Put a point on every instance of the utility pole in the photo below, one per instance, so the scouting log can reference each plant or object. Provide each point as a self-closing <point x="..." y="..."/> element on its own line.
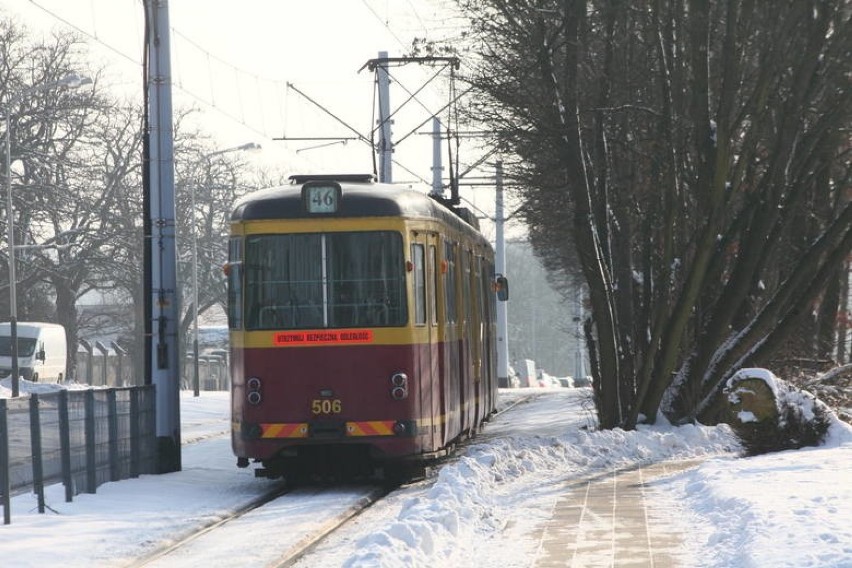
<point x="579" y="358"/>
<point x="162" y="301"/>
<point x="500" y="268"/>
<point x="385" y="143"/>
<point x="437" y="166"/>
<point x="385" y="146"/>
<point x="248" y="146"/>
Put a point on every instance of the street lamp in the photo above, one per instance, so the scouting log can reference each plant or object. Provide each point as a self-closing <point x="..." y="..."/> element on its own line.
<point x="247" y="147"/>
<point x="71" y="81"/>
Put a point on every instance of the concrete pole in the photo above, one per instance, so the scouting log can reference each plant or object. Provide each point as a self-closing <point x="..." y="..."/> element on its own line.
<point x="580" y="359"/>
<point x="10" y="226"/>
<point x="195" y="376"/>
<point x="385" y="143"/>
<point x="164" y="300"/>
<point x="500" y="268"/>
<point x="437" y="166"/>
<point x="247" y="147"/>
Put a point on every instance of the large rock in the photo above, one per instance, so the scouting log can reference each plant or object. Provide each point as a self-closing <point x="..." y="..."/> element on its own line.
<point x="769" y="415"/>
<point x="751" y="396"/>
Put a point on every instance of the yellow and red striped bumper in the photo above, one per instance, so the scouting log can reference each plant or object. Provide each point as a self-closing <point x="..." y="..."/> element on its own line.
<point x="368" y="428"/>
<point x="297" y="430"/>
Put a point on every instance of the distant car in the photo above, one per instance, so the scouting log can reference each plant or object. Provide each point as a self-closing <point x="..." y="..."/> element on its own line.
<point x="582" y="382"/>
<point x="41" y="351"/>
<point x="548" y="381"/>
<point x="566" y="382"/>
<point x="221" y="353"/>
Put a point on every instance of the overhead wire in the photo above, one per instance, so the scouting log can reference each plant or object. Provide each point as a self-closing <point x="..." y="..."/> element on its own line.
<point x="383" y="22"/>
<point x="84" y="32"/>
<point x="413" y="96"/>
<point x="212" y="103"/>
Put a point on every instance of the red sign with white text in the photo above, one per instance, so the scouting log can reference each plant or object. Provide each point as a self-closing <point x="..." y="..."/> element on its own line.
<point x="322" y="337"/>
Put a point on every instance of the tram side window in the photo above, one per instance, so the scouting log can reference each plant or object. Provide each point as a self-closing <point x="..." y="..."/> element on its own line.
<point x="433" y="292"/>
<point x="490" y="296"/>
<point x="467" y="259"/>
<point x="482" y="289"/>
<point x="418" y="258"/>
<point x="450" y="283"/>
<point x="235" y="292"/>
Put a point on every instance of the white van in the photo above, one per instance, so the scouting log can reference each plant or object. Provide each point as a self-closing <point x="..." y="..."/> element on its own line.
<point x="42" y="351"/>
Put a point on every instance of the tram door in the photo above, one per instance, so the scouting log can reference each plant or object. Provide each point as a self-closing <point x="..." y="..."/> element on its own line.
<point x="424" y="255"/>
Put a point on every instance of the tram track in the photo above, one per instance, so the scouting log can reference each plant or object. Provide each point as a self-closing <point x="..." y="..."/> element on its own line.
<point x="254" y="531"/>
<point x="303" y="510"/>
<point x="254" y="504"/>
<point x="312" y="541"/>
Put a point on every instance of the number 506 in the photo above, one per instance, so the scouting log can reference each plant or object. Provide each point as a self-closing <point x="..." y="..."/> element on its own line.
<point x="326" y="406"/>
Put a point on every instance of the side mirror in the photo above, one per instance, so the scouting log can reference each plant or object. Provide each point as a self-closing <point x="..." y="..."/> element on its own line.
<point x="41" y="355"/>
<point x="501" y="286"/>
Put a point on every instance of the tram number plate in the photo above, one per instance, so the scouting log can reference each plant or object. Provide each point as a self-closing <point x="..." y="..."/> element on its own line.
<point x="326" y="406"/>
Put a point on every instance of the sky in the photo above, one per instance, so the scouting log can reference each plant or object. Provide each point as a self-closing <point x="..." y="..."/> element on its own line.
<point x="486" y="508"/>
<point x="234" y="66"/>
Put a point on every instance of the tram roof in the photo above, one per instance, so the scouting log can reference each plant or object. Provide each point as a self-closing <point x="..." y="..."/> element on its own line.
<point x="360" y="197"/>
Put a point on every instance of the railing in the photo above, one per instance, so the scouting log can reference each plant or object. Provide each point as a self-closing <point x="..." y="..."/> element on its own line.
<point x="80" y="438"/>
<point x="98" y="367"/>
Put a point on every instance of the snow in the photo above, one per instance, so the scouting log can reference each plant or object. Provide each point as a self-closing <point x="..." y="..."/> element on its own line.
<point x="765" y="375"/>
<point x="746" y="416"/>
<point x="791" y="508"/>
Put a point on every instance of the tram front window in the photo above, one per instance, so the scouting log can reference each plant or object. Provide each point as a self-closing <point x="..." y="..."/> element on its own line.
<point x="308" y="281"/>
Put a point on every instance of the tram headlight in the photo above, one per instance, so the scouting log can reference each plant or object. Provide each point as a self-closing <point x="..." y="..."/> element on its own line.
<point x="253" y="395"/>
<point x="399" y="386"/>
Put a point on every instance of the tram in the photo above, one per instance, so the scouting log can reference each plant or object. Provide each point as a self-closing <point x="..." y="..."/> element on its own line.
<point x="362" y="327"/>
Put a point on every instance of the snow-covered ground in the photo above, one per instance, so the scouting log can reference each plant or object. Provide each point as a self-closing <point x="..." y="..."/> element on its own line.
<point x="787" y="509"/>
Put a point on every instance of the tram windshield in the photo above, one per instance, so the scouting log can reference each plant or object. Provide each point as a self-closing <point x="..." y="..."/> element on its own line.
<point x="324" y="280"/>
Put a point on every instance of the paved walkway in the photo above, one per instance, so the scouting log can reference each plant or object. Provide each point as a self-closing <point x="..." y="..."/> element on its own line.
<point x="603" y="521"/>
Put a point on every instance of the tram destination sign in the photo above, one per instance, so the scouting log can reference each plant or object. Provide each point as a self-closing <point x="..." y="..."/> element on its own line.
<point x="322" y="337"/>
<point x="321" y="198"/>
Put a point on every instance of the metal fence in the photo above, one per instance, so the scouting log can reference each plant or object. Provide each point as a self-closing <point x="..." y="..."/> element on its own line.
<point x="99" y="365"/>
<point x="80" y="438"/>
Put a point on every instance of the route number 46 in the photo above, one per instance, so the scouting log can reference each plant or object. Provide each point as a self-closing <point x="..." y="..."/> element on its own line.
<point x="322" y="198"/>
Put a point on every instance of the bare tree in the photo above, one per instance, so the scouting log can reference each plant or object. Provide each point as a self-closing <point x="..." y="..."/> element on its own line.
<point x="214" y="179"/>
<point x="47" y="129"/>
<point x="694" y="155"/>
<point x="77" y="187"/>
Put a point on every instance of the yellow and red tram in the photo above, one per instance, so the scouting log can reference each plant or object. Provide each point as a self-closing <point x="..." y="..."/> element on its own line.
<point x="362" y="327"/>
